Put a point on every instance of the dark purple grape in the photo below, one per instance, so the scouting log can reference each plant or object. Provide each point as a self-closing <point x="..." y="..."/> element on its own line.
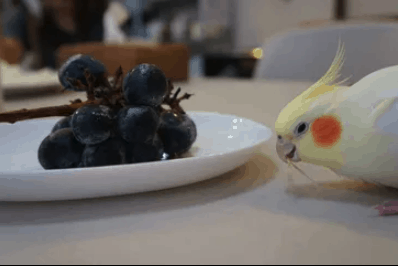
<point x="109" y="152"/>
<point x="74" y="68"/>
<point x="60" y="150"/>
<point x="137" y="123"/>
<point x="145" y="84"/>
<point x="62" y="123"/>
<point x="147" y="152"/>
<point x="177" y="132"/>
<point x="92" y="124"/>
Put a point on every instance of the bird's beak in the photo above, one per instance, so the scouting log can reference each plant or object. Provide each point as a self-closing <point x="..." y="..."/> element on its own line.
<point x="286" y="150"/>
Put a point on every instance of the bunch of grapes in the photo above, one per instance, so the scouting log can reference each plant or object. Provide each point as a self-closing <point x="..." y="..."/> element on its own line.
<point x="123" y="121"/>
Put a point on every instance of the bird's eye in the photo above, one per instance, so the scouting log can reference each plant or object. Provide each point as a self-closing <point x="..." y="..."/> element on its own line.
<point x="301" y="128"/>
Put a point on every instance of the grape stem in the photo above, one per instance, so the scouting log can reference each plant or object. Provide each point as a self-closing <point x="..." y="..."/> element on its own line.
<point x="173" y="101"/>
<point x="24" y="114"/>
<point x="100" y="91"/>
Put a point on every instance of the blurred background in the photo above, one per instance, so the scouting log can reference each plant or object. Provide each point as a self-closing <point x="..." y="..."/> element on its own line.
<point x="187" y="38"/>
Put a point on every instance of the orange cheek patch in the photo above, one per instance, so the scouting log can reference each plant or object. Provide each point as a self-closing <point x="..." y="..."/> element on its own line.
<point x="326" y="131"/>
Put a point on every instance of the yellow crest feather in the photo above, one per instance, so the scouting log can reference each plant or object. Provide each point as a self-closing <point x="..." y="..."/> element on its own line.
<point x="328" y="82"/>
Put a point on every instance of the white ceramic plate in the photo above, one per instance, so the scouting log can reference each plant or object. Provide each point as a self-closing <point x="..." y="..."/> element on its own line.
<point x="13" y="77"/>
<point x="224" y="142"/>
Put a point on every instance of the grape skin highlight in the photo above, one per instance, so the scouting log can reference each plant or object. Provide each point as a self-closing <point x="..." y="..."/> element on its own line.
<point x="92" y="124"/>
<point x="137" y="123"/>
<point x="145" y="84"/>
<point x="74" y="68"/>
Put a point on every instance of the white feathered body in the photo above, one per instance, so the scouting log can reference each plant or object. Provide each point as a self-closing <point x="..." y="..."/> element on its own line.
<point x="369" y="115"/>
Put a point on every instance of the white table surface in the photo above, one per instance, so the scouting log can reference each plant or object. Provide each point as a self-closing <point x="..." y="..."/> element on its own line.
<point x="252" y="215"/>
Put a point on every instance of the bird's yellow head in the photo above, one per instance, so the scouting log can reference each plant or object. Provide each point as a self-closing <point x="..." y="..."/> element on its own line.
<point x="308" y="128"/>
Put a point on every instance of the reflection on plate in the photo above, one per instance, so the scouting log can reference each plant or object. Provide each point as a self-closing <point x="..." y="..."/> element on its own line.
<point x="224" y="142"/>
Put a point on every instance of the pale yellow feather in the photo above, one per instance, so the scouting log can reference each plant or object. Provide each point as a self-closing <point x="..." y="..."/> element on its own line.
<point x="328" y="81"/>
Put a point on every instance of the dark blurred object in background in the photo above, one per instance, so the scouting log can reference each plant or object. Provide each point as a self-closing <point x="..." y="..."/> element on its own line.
<point x="66" y="22"/>
<point x="42" y="26"/>
<point x="14" y="20"/>
<point x="229" y="65"/>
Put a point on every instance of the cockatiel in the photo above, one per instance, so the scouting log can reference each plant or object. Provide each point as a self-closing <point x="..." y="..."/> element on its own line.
<point x="351" y="130"/>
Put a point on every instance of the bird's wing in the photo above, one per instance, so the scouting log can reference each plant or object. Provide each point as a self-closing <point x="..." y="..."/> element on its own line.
<point x="377" y="95"/>
<point x="387" y="121"/>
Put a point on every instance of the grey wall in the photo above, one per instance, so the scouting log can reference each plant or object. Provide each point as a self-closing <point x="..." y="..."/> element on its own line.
<point x="257" y="20"/>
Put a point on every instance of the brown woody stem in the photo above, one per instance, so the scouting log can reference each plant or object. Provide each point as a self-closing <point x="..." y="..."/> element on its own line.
<point x="62" y="110"/>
